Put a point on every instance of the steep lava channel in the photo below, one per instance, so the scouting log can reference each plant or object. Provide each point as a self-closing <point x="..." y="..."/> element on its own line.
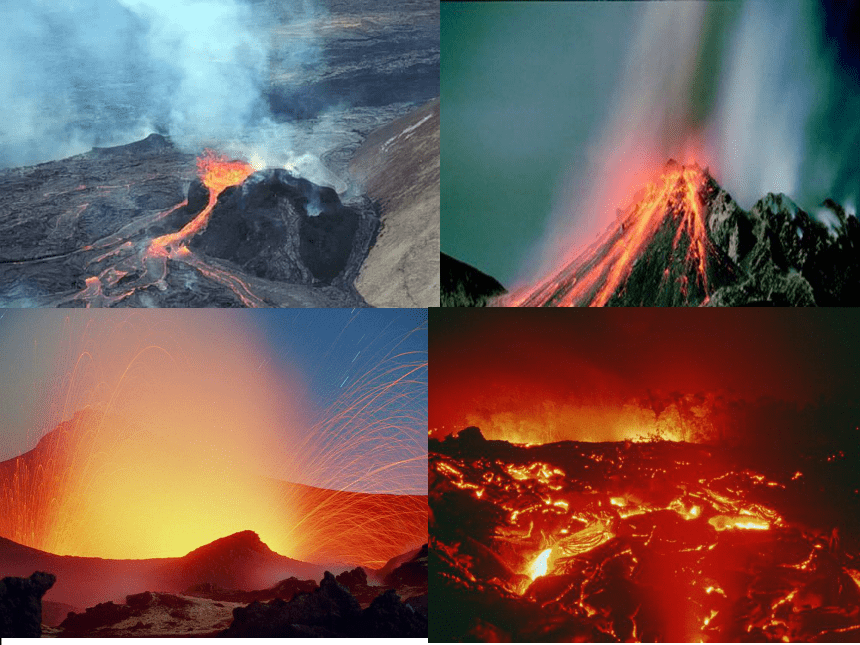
<point x="633" y="541"/>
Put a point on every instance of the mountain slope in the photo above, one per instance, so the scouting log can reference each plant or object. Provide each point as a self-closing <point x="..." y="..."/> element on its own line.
<point x="398" y="165"/>
<point x="684" y="241"/>
<point x="464" y="286"/>
<point x="240" y="561"/>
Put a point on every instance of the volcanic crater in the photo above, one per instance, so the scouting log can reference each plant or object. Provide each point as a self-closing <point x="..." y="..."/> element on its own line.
<point x="133" y="226"/>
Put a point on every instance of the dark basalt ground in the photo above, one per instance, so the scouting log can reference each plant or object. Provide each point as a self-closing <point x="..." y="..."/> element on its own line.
<point x="278" y="240"/>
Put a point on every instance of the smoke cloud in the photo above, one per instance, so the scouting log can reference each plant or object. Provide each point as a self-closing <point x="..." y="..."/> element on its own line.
<point x="86" y="73"/>
<point x="761" y="92"/>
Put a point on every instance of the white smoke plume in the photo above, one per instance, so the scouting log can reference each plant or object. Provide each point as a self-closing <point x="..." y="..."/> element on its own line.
<point x="749" y="89"/>
<point x="81" y="73"/>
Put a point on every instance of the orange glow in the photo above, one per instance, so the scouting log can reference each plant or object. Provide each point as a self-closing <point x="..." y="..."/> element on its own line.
<point x="593" y="276"/>
<point x="217" y="172"/>
<point x="167" y="430"/>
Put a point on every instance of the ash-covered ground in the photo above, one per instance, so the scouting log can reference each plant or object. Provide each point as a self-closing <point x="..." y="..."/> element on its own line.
<point x="655" y="541"/>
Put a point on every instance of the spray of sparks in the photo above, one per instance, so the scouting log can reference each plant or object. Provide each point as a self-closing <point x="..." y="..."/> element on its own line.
<point x="145" y="473"/>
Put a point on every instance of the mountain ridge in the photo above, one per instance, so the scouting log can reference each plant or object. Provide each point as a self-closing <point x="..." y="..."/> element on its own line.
<point x="684" y="241"/>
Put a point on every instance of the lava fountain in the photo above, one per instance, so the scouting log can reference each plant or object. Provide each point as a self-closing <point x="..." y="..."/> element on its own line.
<point x="147" y="264"/>
<point x="170" y="429"/>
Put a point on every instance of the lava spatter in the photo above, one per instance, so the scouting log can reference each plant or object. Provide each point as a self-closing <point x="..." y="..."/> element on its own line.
<point x="217" y="172"/>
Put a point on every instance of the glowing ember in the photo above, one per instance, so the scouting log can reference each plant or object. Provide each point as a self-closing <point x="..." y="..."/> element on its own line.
<point x="539" y="566"/>
<point x="593" y="277"/>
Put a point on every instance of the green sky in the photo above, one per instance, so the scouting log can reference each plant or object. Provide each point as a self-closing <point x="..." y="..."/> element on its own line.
<point x="528" y="89"/>
<point x="522" y="87"/>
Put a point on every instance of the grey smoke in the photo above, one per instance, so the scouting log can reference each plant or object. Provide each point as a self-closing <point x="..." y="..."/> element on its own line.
<point x="81" y="73"/>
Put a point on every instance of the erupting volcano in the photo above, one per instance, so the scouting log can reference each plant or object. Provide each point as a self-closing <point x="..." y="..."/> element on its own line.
<point x="668" y="216"/>
<point x="194" y="454"/>
<point x="683" y="241"/>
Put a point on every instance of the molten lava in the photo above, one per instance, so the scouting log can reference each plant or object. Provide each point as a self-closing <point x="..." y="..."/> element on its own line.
<point x="217" y="173"/>
<point x="539" y="566"/>
<point x="635" y="542"/>
<point x="599" y="272"/>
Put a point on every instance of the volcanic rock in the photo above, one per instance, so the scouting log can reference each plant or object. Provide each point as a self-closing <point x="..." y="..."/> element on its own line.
<point x="331" y="608"/>
<point x="285" y="589"/>
<point x="388" y="617"/>
<point x="412" y="573"/>
<point x="105" y="613"/>
<point x="54" y="613"/>
<point x="21" y="605"/>
<point x="150" y="614"/>
<point x="465" y="286"/>
<point x="419" y="603"/>
<point x="153" y="144"/>
<point x="356" y="582"/>
<point x="280" y="227"/>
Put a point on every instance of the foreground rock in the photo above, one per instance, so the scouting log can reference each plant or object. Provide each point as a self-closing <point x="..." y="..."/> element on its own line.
<point x="464" y="286"/>
<point x="21" y="605"/>
<point x="330" y="611"/>
<point x="412" y="573"/>
<point x="151" y="614"/>
<point x="356" y="582"/>
<point x="398" y="165"/>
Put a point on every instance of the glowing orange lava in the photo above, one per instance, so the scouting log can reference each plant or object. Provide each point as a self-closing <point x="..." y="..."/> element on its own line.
<point x="593" y="277"/>
<point x="167" y="430"/>
<point x="539" y="566"/>
<point x="217" y="173"/>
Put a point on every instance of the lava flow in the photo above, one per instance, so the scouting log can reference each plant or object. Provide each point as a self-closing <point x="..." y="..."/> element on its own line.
<point x="217" y="172"/>
<point x="673" y="203"/>
<point x="658" y="541"/>
<point x="141" y="265"/>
